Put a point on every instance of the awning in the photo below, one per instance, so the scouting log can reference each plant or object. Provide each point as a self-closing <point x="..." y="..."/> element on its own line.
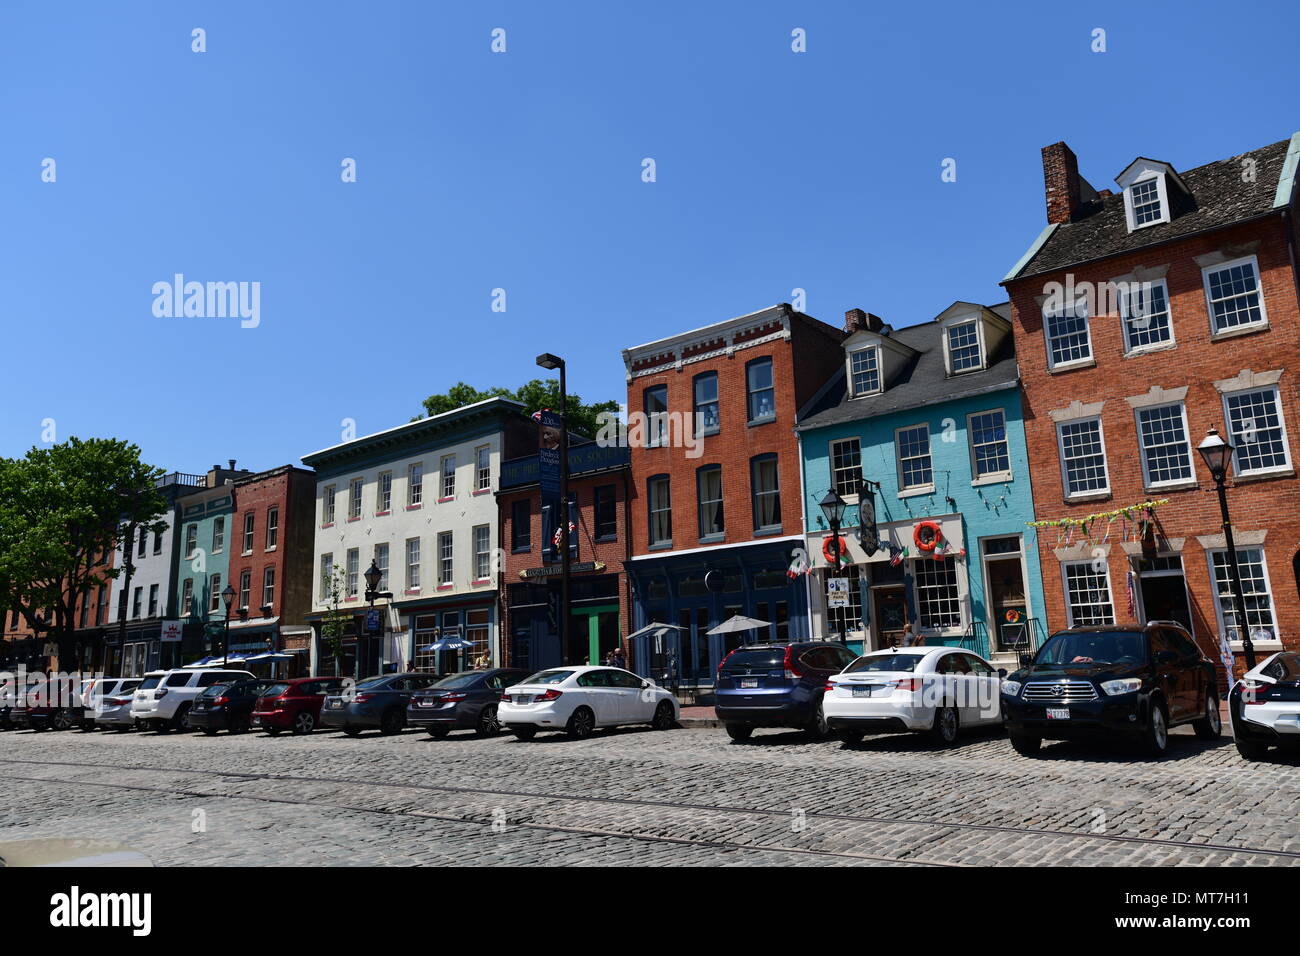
<point x="446" y="644"/>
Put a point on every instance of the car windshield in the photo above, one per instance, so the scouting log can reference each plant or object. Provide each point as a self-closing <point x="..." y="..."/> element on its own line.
<point x="1107" y="647"/>
<point x="149" y="683"/>
<point x="548" y="677"/>
<point x="464" y="679"/>
<point x="216" y="690"/>
<point x="758" y="657"/>
<point x="885" y="662"/>
<point x="373" y="683"/>
<point x="275" y="690"/>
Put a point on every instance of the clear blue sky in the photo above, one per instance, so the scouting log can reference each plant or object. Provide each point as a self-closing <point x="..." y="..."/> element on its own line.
<point x="522" y="171"/>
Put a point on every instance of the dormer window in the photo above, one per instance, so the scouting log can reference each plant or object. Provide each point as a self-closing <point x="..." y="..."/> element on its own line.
<point x="1145" y="200"/>
<point x="864" y="371"/>
<point x="964" y="352"/>
<point x="1151" y="189"/>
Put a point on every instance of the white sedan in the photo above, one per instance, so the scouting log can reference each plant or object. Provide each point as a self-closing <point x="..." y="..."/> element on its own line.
<point x="1265" y="706"/>
<point x="577" y="700"/>
<point x="934" y="690"/>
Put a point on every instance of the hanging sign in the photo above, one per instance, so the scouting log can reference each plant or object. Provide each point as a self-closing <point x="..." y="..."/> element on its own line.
<point x="837" y="592"/>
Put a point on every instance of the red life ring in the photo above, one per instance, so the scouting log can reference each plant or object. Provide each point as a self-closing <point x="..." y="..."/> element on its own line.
<point x="927" y="541"/>
<point x="829" y="554"/>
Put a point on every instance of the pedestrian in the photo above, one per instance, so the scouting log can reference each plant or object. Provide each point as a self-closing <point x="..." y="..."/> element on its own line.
<point x="617" y="659"/>
<point x="911" y="638"/>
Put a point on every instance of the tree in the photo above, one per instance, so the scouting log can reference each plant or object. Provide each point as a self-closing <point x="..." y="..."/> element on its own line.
<point x="63" y="511"/>
<point x="539" y="393"/>
<point x="336" y="623"/>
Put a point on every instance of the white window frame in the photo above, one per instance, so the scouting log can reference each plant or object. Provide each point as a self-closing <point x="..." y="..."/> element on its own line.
<point x="384" y="493"/>
<point x="1162" y="190"/>
<point x="447" y="476"/>
<point x="219" y="534"/>
<point x="249" y="529"/>
<point x="992" y="477"/>
<point x="268" y="586"/>
<point x="852" y="496"/>
<point x="326" y="576"/>
<point x="1065" y="589"/>
<point x="928" y="564"/>
<point x="1124" y="318"/>
<point x="272" y="528"/>
<point x="1259" y="291"/>
<point x="447" y="561"/>
<point x="481" y="538"/>
<point x="880" y="374"/>
<point x="979" y="346"/>
<point x="351" y="572"/>
<point x="355" y="497"/>
<point x="412" y="564"/>
<point x="382" y="550"/>
<point x="1281" y="421"/>
<point x="415" y="484"/>
<point x="1060" y="454"/>
<point x="327" y="503"/>
<point x="904" y="489"/>
<point x="191" y="540"/>
<point x="245" y="588"/>
<point x="214" y="599"/>
<point x="187" y="597"/>
<point x="1142" y="449"/>
<point x="1090" y="358"/>
<point x="1268" y="584"/>
<point x="483" y="467"/>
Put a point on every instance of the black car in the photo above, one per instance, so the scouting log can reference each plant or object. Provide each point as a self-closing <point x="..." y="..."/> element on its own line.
<point x="464" y="700"/>
<point x="1135" y="682"/>
<point x="226" y="706"/>
<point x="375" y="702"/>
<point x="777" y="685"/>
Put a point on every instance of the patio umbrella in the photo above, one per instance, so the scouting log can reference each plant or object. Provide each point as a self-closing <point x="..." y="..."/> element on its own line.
<point x="202" y="663"/>
<point x="450" y="644"/>
<point x="738" y="622"/>
<point x="655" y="628"/>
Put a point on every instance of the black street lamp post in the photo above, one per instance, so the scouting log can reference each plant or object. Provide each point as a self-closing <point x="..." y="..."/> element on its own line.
<point x="228" y="597"/>
<point x="373" y="575"/>
<point x="1217" y="453"/>
<point x="552" y="362"/>
<point x="833" y="508"/>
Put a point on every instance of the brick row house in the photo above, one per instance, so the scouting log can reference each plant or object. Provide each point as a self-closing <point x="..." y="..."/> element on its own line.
<point x="1145" y="317"/>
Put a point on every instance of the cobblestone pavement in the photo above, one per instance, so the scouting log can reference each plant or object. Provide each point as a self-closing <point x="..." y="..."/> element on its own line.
<point x="681" y="797"/>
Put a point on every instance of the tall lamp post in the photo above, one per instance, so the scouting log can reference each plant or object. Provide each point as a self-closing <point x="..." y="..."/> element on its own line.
<point x="552" y="362"/>
<point x="833" y="508"/>
<point x="228" y="598"/>
<point x="373" y="575"/>
<point x="1217" y="453"/>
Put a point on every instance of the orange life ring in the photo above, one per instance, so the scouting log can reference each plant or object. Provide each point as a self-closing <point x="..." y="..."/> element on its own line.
<point x="927" y="544"/>
<point x="828" y="554"/>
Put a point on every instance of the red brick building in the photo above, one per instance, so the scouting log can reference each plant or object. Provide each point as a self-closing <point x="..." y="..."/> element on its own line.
<point x="600" y="605"/>
<point x="716" y="506"/>
<point x="1144" y="318"/>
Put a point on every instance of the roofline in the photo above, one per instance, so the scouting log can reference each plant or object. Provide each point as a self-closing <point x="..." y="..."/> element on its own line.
<point x="1030" y="252"/>
<point x="413" y="425"/>
<point x="1002" y="386"/>
<point x="1286" y="180"/>
<point x="780" y="306"/>
<point x="269" y="472"/>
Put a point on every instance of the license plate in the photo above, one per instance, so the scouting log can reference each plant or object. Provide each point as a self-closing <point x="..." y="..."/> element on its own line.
<point x="336" y="704"/>
<point x="523" y="698"/>
<point x="862" y="691"/>
<point x="746" y="684"/>
<point x="257" y="720"/>
<point x="1058" y="713"/>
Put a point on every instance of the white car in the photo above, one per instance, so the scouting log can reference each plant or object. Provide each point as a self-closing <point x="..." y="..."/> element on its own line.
<point x="1265" y="706"/>
<point x="577" y="700"/>
<point x="108" y="702"/>
<point x="934" y="690"/>
<point x="164" y="697"/>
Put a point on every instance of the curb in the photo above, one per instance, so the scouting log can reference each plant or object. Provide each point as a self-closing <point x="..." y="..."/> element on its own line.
<point x="699" y="723"/>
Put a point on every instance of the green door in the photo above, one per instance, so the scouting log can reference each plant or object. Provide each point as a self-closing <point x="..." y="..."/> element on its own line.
<point x="600" y="624"/>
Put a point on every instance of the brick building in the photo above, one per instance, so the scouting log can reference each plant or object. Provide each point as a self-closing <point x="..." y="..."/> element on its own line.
<point x="716" y="506"/>
<point x="600" y="604"/>
<point x="1143" y="319"/>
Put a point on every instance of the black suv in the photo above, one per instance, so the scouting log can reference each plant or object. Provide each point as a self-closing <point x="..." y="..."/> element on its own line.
<point x="1091" y="681"/>
<point x="777" y="685"/>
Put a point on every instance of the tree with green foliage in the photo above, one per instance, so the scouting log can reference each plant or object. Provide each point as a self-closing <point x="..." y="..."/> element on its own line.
<point x="336" y="623"/>
<point x="535" y="395"/>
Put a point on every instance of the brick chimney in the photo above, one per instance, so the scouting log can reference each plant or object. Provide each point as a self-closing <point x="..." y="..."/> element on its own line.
<point x="855" y="320"/>
<point x="1061" y="183"/>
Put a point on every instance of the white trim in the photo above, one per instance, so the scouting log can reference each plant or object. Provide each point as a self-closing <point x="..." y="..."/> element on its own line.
<point x="904" y="490"/>
<point x="993" y="477"/>
<point x="1268" y="584"/>
<point x="948" y="325"/>
<point x="1065" y="590"/>
<point x="1259" y="291"/>
<point x="880" y="370"/>
<point x="1144" y="175"/>
<point x="1142" y="450"/>
<point x="1105" y="459"/>
<point x="1079" y="303"/>
<point x="1170" y="342"/>
<point x="1281" y="422"/>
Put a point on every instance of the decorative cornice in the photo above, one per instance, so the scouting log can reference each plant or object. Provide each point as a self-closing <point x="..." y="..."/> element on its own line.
<point x="1217" y="542"/>
<point x="1144" y="274"/>
<point x="1081" y="551"/>
<point x="1173" y="545"/>
<point x="1249" y="379"/>
<point x="1157" y="396"/>
<point x="1227" y="253"/>
<point x="678" y="361"/>
<point x="1076" y="410"/>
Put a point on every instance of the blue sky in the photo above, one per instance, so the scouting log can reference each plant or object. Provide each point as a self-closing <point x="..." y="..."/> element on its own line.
<point x="522" y="171"/>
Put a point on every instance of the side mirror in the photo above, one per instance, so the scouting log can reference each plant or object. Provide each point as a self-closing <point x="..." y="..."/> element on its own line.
<point x="1002" y="672"/>
<point x="645" y="684"/>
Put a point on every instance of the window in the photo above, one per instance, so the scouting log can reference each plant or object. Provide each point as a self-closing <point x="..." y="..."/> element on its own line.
<point x="381" y="561"/>
<point x="846" y="466"/>
<point x="477" y="632"/>
<point x="1083" y="457"/>
<point x="656" y="413"/>
<point x="1166" y="452"/>
<point x="384" y="493"/>
<point x="245" y="585"/>
<point x="415" y="484"/>
<point x="1255" y="591"/>
<point x="706" y="403"/>
<point x="268" y="588"/>
<point x="187" y="597"/>
<point x="248" y="534"/>
<point x="521" y="525"/>
<point x="218" y="534"/>
<point x="762" y="394"/>
<point x="272" y="527"/>
<point x="605" y="507"/>
<point x="937" y="603"/>
<point x="444" y="557"/>
<point x="153" y="600"/>
<point x="1068" y="338"/>
<point x="327" y="505"/>
<point x="988" y="444"/>
<point x="352" y="571"/>
<point x="157" y="542"/>
<point x="449" y="476"/>
<point x="482" y="552"/>
<point x="1145" y="200"/>
<point x="136" y="600"/>
<point x="709" y="494"/>
<point x="214" y="601"/>
<point x="845" y="619"/>
<point x="964" y="347"/>
<point x="1144" y="309"/>
<point x="766" y="484"/>
<point x="326" y="576"/>
<point x="1255" y="424"/>
<point x="144" y="542"/>
<point x="913" y="449"/>
<point x="85" y="612"/>
<point x="483" y="467"/>
<point x="191" y="540"/>
<point x="661" y="510"/>
<point x="412" y="564"/>
<point x="864" y="370"/>
<point x="354" y="499"/>
<point x="1087" y="594"/>
<point x="1232" y="291"/>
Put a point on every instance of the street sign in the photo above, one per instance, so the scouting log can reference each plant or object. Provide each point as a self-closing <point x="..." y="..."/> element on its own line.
<point x="373" y="625"/>
<point x="837" y="592"/>
<point x="171" y="630"/>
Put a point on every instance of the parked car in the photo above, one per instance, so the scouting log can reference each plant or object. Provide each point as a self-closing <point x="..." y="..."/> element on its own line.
<point x="577" y="700"/>
<point x="933" y="690"/>
<point x="295" y="705"/>
<point x="111" y="702"/>
<point x="375" y="702"/>
<point x="1264" y="706"/>
<point x="1133" y="682"/>
<point x="226" y="706"/>
<point x="164" y="698"/>
<point x="777" y="685"/>
<point x="7" y="701"/>
<point x="464" y="700"/>
<point x="51" y="705"/>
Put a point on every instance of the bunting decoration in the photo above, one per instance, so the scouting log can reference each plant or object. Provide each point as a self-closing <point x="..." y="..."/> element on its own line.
<point x="1141" y="516"/>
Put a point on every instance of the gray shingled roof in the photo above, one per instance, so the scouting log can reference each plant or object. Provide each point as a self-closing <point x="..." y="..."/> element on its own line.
<point x="924" y="381"/>
<point x="1219" y="198"/>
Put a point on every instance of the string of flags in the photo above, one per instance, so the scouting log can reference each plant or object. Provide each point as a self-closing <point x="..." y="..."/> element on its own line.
<point x="1137" y="520"/>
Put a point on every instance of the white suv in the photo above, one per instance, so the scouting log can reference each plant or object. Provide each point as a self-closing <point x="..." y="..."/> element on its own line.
<point x="163" y="699"/>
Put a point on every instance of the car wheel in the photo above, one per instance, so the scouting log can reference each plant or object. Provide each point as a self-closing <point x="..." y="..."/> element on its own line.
<point x="945" y="727"/>
<point x="303" y="723"/>
<point x="437" y="733"/>
<point x="352" y="731"/>
<point x="818" y="728"/>
<point x="209" y="731"/>
<point x="178" y="722"/>
<point x="524" y="733"/>
<point x="739" y="732"/>
<point x="161" y="726"/>
<point x="1210" y="726"/>
<point x="488" y="725"/>
<point x="1155" y="739"/>
<point x="581" y="724"/>
<point x="852" y="737"/>
<point x="1025" y="745"/>
<point x="61" y="720"/>
<point x="392" y="722"/>
<point x="1252" y="750"/>
<point x="663" y="719"/>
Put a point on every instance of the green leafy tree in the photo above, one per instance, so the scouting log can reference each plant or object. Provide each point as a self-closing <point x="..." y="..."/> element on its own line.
<point x="535" y="395"/>
<point x="336" y="623"/>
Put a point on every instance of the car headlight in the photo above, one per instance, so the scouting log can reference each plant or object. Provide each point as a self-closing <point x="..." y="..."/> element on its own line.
<point x="1011" y="688"/>
<point x="1124" y="685"/>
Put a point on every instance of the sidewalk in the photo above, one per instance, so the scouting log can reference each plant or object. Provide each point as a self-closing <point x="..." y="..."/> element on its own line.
<point x="698" y="718"/>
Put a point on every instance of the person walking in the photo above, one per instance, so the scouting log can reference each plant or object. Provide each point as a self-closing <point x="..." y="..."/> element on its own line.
<point x="617" y="659"/>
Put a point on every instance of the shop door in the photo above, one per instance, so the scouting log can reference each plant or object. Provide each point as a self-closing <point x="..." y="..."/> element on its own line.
<point x="889" y="613"/>
<point x="1164" y="598"/>
<point x="1007" y="605"/>
<point x="600" y="627"/>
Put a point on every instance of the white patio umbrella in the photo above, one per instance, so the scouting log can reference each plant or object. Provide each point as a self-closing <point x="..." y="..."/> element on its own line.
<point x="655" y="628"/>
<point x="738" y="622"/>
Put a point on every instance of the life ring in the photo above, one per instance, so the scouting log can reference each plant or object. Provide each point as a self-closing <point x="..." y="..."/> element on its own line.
<point x="927" y="535"/>
<point x="828" y="553"/>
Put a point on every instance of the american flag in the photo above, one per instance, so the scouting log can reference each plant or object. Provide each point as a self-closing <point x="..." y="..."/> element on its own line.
<point x="559" y="533"/>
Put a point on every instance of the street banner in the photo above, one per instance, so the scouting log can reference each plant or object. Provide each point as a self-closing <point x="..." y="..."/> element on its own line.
<point x="549" y="430"/>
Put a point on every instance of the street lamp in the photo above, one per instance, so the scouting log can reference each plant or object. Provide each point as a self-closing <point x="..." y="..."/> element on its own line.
<point x="1217" y="454"/>
<point x="552" y="363"/>
<point x="228" y="596"/>
<point x="833" y="508"/>
<point x="373" y="575"/>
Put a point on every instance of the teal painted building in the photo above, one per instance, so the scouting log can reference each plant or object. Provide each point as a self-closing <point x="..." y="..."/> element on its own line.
<point x="206" y="537"/>
<point x="925" y="422"/>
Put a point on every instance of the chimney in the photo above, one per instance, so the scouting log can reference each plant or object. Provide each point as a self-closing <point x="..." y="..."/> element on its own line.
<point x="855" y="320"/>
<point x="1061" y="183"/>
<point x="232" y="463"/>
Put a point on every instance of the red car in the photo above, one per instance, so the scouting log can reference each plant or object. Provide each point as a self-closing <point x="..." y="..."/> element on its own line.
<point x="294" y="705"/>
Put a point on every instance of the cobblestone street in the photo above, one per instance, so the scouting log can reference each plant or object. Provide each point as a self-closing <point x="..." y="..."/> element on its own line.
<point x="684" y="797"/>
